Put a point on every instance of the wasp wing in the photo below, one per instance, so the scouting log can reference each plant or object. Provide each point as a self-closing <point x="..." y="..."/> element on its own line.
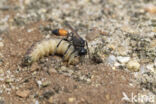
<point x="72" y="29"/>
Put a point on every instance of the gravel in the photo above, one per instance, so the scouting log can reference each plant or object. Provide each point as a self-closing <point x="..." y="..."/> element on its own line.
<point x="119" y="33"/>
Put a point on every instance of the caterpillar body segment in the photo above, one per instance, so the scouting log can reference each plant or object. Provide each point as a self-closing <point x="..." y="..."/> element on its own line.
<point x="49" y="46"/>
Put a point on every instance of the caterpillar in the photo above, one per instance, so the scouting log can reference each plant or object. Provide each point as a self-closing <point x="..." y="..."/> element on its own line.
<point x="49" y="46"/>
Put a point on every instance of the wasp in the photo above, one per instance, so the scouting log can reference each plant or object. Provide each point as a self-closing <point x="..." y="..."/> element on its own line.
<point x="80" y="45"/>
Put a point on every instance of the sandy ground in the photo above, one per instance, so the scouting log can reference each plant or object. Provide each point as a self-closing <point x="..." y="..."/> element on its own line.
<point x="121" y="39"/>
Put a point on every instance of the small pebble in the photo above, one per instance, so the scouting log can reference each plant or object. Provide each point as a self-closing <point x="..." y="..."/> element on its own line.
<point x="154" y="29"/>
<point x="111" y="46"/>
<point x="39" y="83"/>
<point x="150" y="67"/>
<point x="1" y="71"/>
<point x="155" y="62"/>
<point x="34" y="67"/>
<point x="122" y="51"/>
<point x="50" y="100"/>
<point x="111" y="59"/>
<point x="151" y="9"/>
<point x="153" y="44"/>
<point x="9" y="80"/>
<point x="129" y="29"/>
<point x="71" y="99"/>
<point x="63" y="68"/>
<point x="23" y="94"/>
<point x="123" y="60"/>
<point x="116" y="64"/>
<point x="52" y="70"/>
<point x="113" y="68"/>
<point x="1" y="44"/>
<point x="75" y="61"/>
<point x="108" y="97"/>
<point x="133" y="65"/>
<point x="36" y="102"/>
<point x="45" y="84"/>
<point x="92" y="34"/>
<point x="142" y="69"/>
<point x="27" y="2"/>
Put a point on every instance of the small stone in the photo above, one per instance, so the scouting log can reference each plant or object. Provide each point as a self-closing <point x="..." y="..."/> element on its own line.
<point x="129" y="29"/>
<point x="36" y="102"/>
<point x="93" y="34"/>
<point x="153" y="43"/>
<point x="111" y="47"/>
<point x="122" y="51"/>
<point x="133" y="65"/>
<point x="42" y="10"/>
<point x="50" y="100"/>
<point x="151" y="9"/>
<point x="9" y="80"/>
<point x="113" y="68"/>
<point x="155" y="62"/>
<point x="52" y="70"/>
<point x="30" y="30"/>
<point x="153" y="20"/>
<point x="27" y="2"/>
<point x="142" y="69"/>
<point x="23" y="94"/>
<point x="71" y="99"/>
<point x="75" y="61"/>
<point x="39" y="83"/>
<point x="108" y="97"/>
<point x="1" y="44"/>
<point x="154" y="29"/>
<point x="63" y="68"/>
<point x="116" y="64"/>
<point x="111" y="59"/>
<point x="1" y="71"/>
<point x="150" y="67"/>
<point x="45" y="84"/>
<point x="34" y="67"/>
<point x="123" y="60"/>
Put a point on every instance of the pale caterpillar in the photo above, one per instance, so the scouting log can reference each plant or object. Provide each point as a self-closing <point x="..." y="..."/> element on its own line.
<point x="49" y="46"/>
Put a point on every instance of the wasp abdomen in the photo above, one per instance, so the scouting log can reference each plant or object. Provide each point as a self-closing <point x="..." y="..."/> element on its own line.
<point x="60" y="32"/>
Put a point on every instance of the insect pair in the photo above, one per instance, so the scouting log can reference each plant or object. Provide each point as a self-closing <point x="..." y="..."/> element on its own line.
<point x="80" y="45"/>
<point x="71" y="46"/>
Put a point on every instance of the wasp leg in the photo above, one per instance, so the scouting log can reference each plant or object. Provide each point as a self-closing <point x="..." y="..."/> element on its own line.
<point x="66" y="51"/>
<point x="88" y="50"/>
<point x="71" y="56"/>
<point x="66" y="39"/>
<point x="57" y="46"/>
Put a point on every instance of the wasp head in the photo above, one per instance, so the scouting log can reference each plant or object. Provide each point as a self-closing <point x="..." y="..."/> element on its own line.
<point x="82" y="51"/>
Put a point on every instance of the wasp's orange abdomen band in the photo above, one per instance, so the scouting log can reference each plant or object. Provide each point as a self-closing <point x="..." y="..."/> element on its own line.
<point x="60" y="32"/>
<point x="63" y="32"/>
